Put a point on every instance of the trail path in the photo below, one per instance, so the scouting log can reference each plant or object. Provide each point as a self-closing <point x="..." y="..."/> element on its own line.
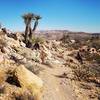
<point x="56" y="88"/>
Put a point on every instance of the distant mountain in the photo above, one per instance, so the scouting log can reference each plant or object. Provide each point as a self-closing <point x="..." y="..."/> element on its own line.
<point x="58" y="34"/>
<point x="52" y="31"/>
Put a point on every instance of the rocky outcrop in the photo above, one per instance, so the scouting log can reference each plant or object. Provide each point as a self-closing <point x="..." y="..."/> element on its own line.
<point x="53" y="62"/>
<point x="17" y="81"/>
<point x="30" y="81"/>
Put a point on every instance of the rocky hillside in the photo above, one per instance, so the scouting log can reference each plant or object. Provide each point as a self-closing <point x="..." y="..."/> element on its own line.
<point x="58" y="34"/>
<point x="53" y="72"/>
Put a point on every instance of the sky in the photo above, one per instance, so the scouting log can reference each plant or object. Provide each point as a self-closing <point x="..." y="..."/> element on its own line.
<point x="73" y="15"/>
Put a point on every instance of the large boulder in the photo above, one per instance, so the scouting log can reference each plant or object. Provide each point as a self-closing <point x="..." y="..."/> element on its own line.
<point x="18" y="82"/>
<point x="29" y="81"/>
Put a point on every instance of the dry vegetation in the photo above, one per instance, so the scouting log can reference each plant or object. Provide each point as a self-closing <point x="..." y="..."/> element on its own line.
<point x="89" y="71"/>
<point x="60" y="64"/>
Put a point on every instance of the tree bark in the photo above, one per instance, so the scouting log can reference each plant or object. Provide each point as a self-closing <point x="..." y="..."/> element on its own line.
<point x="35" y="25"/>
<point x="30" y="33"/>
<point x="26" y="33"/>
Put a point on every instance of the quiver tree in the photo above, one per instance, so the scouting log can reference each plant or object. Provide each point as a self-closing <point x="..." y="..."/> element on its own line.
<point x="28" y="30"/>
<point x="28" y="20"/>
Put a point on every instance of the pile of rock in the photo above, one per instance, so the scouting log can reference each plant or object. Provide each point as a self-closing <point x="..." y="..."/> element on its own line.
<point x="16" y="81"/>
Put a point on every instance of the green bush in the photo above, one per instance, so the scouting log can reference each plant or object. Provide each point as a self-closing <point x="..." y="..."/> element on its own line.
<point x="85" y="72"/>
<point x="94" y="43"/>
<point x="92" y="58"/>
<point x="38" y="39"/>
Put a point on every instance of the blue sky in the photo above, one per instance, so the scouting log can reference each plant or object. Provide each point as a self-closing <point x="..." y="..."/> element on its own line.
<point x="74" y="15"/>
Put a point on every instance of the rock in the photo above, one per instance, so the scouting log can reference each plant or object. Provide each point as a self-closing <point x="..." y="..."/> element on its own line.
<point x="8" y="31"/>
<point x="1" y="58"/>
<point x="5" y="50"/>
<point x="56" y="61"/>
<point x="48" y="44"/>
<point x="98" y="50"/>
<point x="4" y="30"/>
<point x="18" y="82"/>
<point x="30" y="54"/>
<point x="49" y="63"/>
<point x="36" y="56"/>
<point x="11" y="42"/>
<point x="52" y="63"/>
<point x="18" y="58"/>
<point x="29" y="81"/>
<point x="22" y="44"/>
<point x="56" y="42"/>
<point x="84" y="48"/>
<point x="18" y="36"/>
<point x="93" y="50"/>
<point x="46" y="52"/>
<point x="34" y="68"/>
<point x="2" y="75"/>
<point x="43" y="55"/>
<point x="72" y="41"/>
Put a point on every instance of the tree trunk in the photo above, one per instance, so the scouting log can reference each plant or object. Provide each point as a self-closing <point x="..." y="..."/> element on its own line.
<point x="32" y="30"/>
<point x="35" y="25"/>
<point x="30" y="33"/>
<point x="26" y="33"/>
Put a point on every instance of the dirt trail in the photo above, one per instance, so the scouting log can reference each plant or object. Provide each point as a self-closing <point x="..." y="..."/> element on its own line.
<point x="56" y="88"/>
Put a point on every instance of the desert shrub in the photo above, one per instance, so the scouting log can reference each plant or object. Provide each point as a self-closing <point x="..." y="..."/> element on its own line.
<point x="97" y="58"/>
<point x="65" y="38"/>
<point x="94" y="43"/>
<point x="23" y="96"/>
<point x="76" y="45"/>
<point x="93" y="58"/>
<point x="82" y="73"/>
<point x="34" y="68"/>
<point x="38" y="40"/>
<point x="87" y="72"/>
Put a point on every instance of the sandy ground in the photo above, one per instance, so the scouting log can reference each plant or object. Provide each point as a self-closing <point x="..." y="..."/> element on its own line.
<point x="56" y="88"/>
